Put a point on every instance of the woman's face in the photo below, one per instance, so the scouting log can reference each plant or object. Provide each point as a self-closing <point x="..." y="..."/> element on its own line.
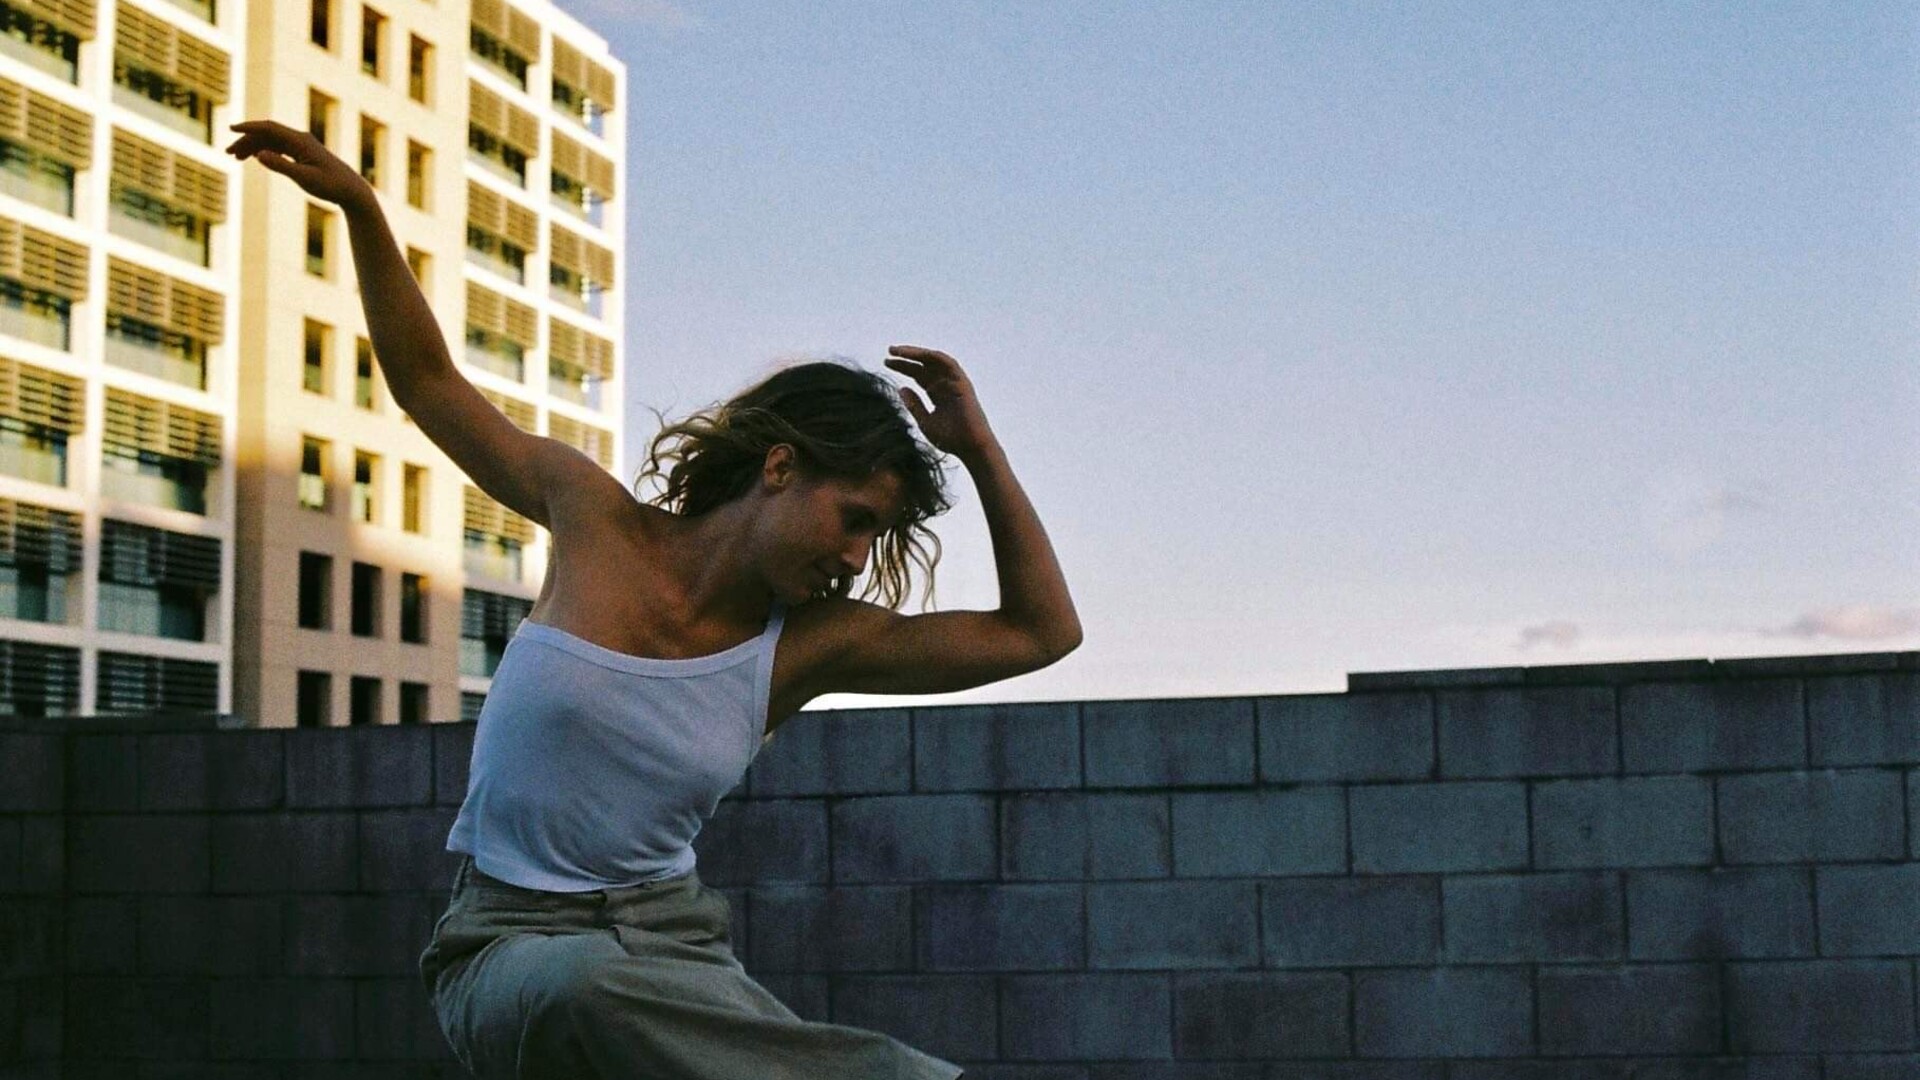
<point x="833" y="528"/>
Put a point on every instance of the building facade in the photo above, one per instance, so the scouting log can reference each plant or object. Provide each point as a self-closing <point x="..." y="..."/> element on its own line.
<point x="208" y="498"/>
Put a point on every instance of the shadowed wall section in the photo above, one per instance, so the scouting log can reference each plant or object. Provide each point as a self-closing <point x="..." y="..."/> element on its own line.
<point x="1672" y="869"/>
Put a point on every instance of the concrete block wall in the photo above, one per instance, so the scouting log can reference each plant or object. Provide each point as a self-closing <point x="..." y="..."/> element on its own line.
<point x="1682" y="869"/>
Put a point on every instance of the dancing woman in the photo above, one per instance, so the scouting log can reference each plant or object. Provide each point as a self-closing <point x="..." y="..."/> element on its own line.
<point x="668" y="643"/>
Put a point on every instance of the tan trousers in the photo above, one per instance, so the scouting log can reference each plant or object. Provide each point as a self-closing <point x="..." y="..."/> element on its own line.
<point x="638" y="983"/>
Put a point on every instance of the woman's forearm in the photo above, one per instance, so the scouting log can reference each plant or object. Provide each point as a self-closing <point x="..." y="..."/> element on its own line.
<point x="1033" y="591"/>
<point x="406" y="337"/>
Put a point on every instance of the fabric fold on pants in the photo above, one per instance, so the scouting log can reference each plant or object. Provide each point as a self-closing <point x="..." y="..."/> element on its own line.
<point x="629" y="982"/>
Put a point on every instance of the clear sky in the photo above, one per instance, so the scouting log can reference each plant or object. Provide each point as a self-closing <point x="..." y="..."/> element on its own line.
<point x="1331" y="338"/>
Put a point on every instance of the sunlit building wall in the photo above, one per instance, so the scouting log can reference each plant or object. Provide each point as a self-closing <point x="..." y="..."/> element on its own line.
<point x="208" y="499"/>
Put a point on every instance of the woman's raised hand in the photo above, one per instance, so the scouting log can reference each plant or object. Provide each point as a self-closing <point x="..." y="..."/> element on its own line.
<point x="299" y="155"/>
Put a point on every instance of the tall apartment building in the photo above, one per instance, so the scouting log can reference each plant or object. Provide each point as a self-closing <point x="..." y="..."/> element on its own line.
<point x="208" y="500"/>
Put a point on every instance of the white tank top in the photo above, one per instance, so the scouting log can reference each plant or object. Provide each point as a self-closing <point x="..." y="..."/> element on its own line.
<point x="593" y="769"/>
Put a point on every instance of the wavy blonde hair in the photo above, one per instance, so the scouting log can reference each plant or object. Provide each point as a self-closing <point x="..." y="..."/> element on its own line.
<point x="845" y="423"/>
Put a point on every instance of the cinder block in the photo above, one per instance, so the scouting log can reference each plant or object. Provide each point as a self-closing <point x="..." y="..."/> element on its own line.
<point x="1720" y="913"/>
<point x="1869" y="910"/>
<point x="836" y="752"/>
<point x="35" y="778"/>
<point x="1374" y="681"/>
<point x="217" y="770"/>
<point x="804" y="928"/>
<point x="1173" y="743"/>
<point x="1447" y="827"/>
<point x="1172" y="925"/>
<point x="103" y="773"/>
<point x="163" y="1018"/>
<point x="1084" y="1017"/>
<point x="914" y="838"/>
<point x="149" y="853"/>
<point x="1022" y="746"/>
<point x="1573" y="915"/>
<point x="1865" y="719"/>
<point x="286" y="852"/>
<point x="207" y="935"/>
<point x="43" y="1007"/>
<point x="1557" y="1069"/>
<point x="1346" y="738"/>
<point x="1674" y="727"/>
<point x="1622" y="821"/>
<point x="452" y="761"/>
<point x="1872" y="1066"/>
<point x="406" y="849"/>
<point x="1350" y="921"/>
<point x="950" y="1016"/>
<point x="1527" y="732"/>
<point x="1753" y="1067"/>
<point x="43" y="853"/>
<point x="348" y="935"/>
<point x="1242" y="1015"/>
<point x="1629" y="1009"/>
<point x="1001" y="928"/>
<point x="1443" y="1012"/>
<point x="360" y="767"/>
<point x="1075" y="836"/>
<point x="1747" y="667"/>
<point x="1823" y="816"/>
<point x="1381" y="1070"/>
<point x="102" y="935"/>
<point x="1260" y="833"/>
<point x="31" y="929"/>
<point x="281" y="1019"/>
<point x="764" y="841"/>
<point x="9" y="863"/>
<point x="394" y="1020"/>
<point x="1819" y="1006"/>
<point x="1913" y="813"/>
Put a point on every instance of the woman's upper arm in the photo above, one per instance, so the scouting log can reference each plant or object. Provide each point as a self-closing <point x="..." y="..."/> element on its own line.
<point x="537" y="477"/>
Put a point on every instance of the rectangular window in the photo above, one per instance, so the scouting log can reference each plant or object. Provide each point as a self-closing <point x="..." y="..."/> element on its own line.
<point x="366" y="492"/>
<point x="364" y="700"/>
<point x="373" y="33"/>
<point x="373" y="149"/>
<point x="419" y="161"/>
<point x="413" y="703"/>
<point x="315" y="704"/>
<point x="419" y="68"/>
<point x="320" y="115"/>
<point x="322" y="34"/>
<point x="39" y="42"/>
<point x="318" y="345"/>
<point x="316" y="591"/>
<point x="413" y="486"/>
<point x="413" y="622"/>
<point x="314" y="472"/>
<point x="366" y="600"/>
<point x="363" y="373"/>
<point x="319" y="231"/>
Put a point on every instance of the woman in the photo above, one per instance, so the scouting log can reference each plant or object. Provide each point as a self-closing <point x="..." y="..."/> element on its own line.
<point x="660" y="657"/>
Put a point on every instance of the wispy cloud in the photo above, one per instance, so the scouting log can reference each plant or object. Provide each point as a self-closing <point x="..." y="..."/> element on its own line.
<point x="606" y="14"/>
<point x="1560" y="634"/>
<point x="1854" y="622"/>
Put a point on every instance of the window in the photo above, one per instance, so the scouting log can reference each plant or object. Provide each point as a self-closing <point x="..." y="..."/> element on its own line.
<point x="314" y="472"/>
<point x="317" y="346"/>
<point x="412" y="492"/>
<point x="422" y="266"/>
<point x="373" y="145"/>
<point x="496" y="253"/>
<point x="32" y="451"/>
<point x="316" y="591"/>
<point x="366" y="600"/>
<point x="163" y="99"/>
<point x="373" y="33"/>
<point x="35" y="314"/>
<point x="322" y="33"/>
<point x="141" y="217"/>
<point x="413" y="623"/>
<point x="319" y="115"/>
<point x="363" y="373"/>
<point x="363" y="700"/>
<point x="419" y="68"/>
<point x="156" y="350"/>
<point x="413" y="703"/>
<point x="36" y="177"/>
<point x="500" y="159"/>
<point x="319" y="228"/>
<point x="315" y="699"/>
<point x="39" y="42"/>
<point x="419" y="161"/>
<point x="366" y="492"/>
